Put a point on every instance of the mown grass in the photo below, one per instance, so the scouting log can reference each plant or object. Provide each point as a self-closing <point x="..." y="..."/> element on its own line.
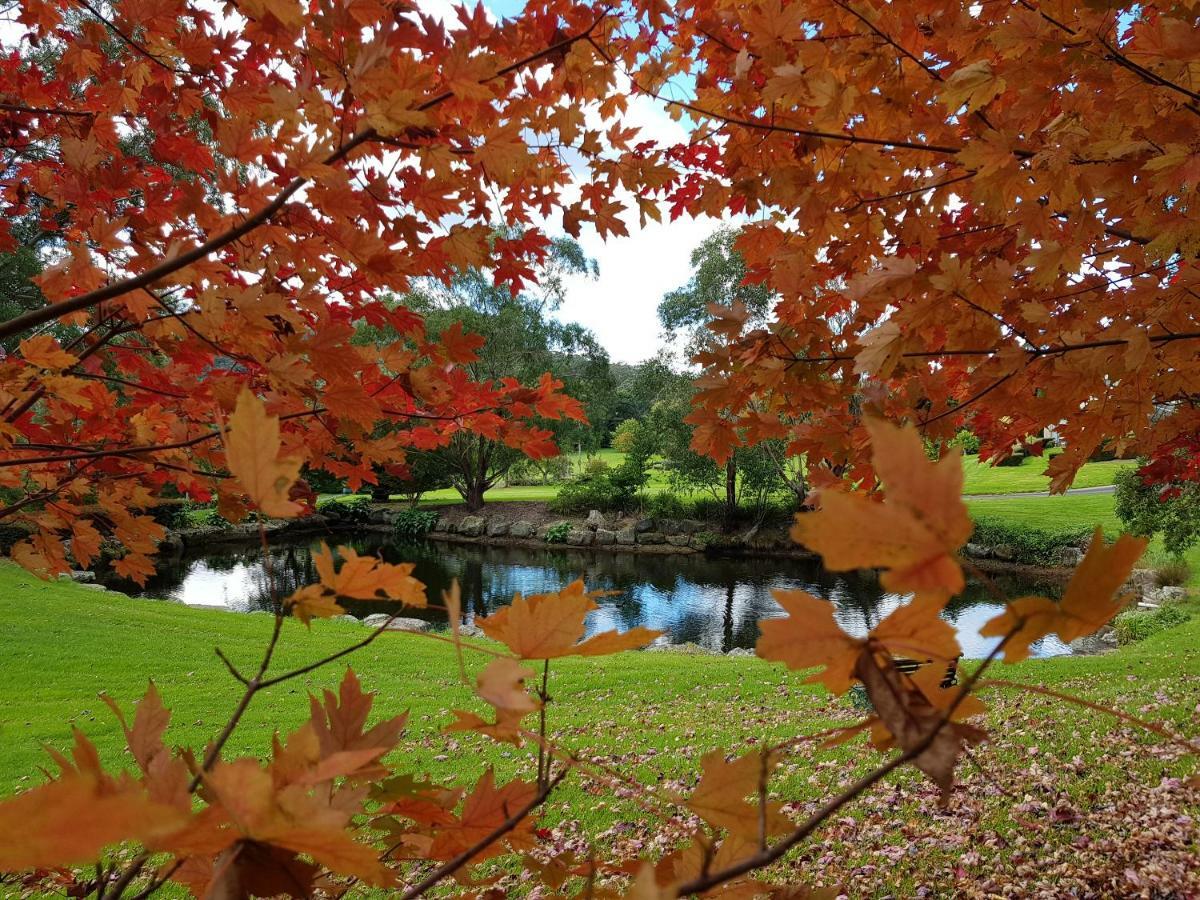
<point x="1067" y="513"/>
<point x="979" y="478"/>
<point x="66" y="644"/>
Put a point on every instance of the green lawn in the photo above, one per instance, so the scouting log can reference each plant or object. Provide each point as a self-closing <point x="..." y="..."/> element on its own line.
<point x="651" y="714"/>
<point x="1070" y="513"/>
<point x="979" y="478"/>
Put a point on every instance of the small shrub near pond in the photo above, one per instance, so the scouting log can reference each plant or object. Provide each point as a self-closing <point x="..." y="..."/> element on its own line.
<point x="1138" y="624"/>
<point x="207" y="517"/>
<point x="557" y="533"/>
<point x="1029" y="545"/>
<point x="351" y="512"/>
<point x="591" y="492"/>
<point x="411" y="523"/>
<point x="1172" y="574"/>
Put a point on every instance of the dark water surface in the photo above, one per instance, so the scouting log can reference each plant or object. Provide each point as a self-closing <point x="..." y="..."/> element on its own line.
<point x="711" y="602"/>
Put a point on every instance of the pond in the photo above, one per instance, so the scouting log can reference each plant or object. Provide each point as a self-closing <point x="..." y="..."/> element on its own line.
<point x="711" y="602"/>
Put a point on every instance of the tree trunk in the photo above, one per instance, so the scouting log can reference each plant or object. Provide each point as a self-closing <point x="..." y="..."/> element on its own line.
<point x="473" y="495"/>
<point x="730" y="489"/>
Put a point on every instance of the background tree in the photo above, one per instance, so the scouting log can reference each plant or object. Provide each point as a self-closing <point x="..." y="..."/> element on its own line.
<point x="521" y="344"/>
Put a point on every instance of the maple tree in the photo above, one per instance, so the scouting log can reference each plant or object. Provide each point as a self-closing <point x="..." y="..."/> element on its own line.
<point x="965" y="213"/>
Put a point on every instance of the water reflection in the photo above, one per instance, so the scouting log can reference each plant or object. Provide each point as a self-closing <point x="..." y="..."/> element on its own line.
<point x="715" y="603"/>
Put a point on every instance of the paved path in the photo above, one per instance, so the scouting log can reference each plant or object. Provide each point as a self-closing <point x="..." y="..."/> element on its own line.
<point x="1071" y="492"/>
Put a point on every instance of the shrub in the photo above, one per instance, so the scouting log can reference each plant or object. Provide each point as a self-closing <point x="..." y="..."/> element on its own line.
<point x="625" y="435"/>
<point x="1173" y="573"/>
<point x="351" y="513"/>
<point x="1029" y="545"/>
<point x="552" y="470"/>
<point x="324" y="482"/>
<point x="208" y="517"/>
<point x="665" y="506"/>
<point x="1138" y="624"/>
<point x="966" y="441"/>
<point x="172" y="513"/>
<point x="557" y="533"/>
<point x="411" y="523"/>
<point x="591" y="492"/>
<point x="1148" y="510"/>
<point x="595" y="465"/>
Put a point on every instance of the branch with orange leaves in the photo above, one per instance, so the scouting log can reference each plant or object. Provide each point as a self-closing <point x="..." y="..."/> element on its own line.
<point x="260" y="217"/>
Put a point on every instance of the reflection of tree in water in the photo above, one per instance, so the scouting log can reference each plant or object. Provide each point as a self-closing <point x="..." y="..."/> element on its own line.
<point x="712" y="602"/>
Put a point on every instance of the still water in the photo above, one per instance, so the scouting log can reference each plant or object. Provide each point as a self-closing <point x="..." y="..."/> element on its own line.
<point x="711" y="602"/>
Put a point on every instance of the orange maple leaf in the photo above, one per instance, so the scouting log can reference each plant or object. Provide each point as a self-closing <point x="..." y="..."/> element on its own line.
<point x="252" y="447"/>
<point x="1090" y="601"/>
<point x="913" y="535"/>
<point x="546" y="626"/>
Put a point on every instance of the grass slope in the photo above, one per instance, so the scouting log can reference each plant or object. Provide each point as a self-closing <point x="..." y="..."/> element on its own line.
<point x="652" y="714"/>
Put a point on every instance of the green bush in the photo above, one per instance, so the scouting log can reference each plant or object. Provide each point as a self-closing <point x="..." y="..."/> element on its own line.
<point x="208" y="517"/>
<point x="324" y="482"/>
<point x="349" y="513"/>
<point x="172" y="513"/>
<point x="1029" y="545"/>
<point x="967" y="441"/>
<point x="595" y="465"/>
<point x="1138" y="624"/>
<point x="666" y="506"/>
<point x="557" y="533"/>
<point x="412" y="523"/>
<point x="592" y="492"/>
<point x="1148" y="509"/>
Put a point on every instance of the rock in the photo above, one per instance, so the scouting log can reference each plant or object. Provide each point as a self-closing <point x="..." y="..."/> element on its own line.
<point x="604" y="537"/>
<point x="594" y="520"/>
<point x="171" y="543"/>
<point x="348" y="618"/>
<point x="1141" y="580"/>
<point x="472" y="526"/>
<point x="79" y="575"/>
<point x="1005" y="552"/>
<point x="668" y="526"/>
<point x="470" y="630"/>
<point x="1169" y="594"/>
<point x="522" y="529"/>
<point x="382" y="515"/>
<point x="691" y="526"/>
<point x="678" y="540"/>
<point x="551" y="526"/>
<point x="398" y="624"/>
<point x="627" y="535"/>
<point x="643" y="525"/>
<point x="497" y="528"/>
<point x="1068" y="557"/>
<point x="580" y="537"/>
<point x="976" y="551"/>
<point x="740" y="651"/>
<point x="441" y="524"/>
<point x="651" y="537"/>
<point x="93" y="587"/>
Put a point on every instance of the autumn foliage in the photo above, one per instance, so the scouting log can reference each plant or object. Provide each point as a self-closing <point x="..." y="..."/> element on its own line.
<point x="972" y="214"/>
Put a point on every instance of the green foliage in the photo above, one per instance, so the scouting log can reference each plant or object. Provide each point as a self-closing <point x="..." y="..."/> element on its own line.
<point x="557" y="533"/>
<point x="172" y="513"/>
<point x="1032" y="546"/>
<point x="602" y="492"/>
<point x="1146" y="510"/>
<point x="323" y="482"/>
<point x="551" y="470"/>
<point x="966" y="441"/>
<point x="1137" y="624"/>
<point x="413" y="523"/>
<point x="625" y="435"/>
<point x="595" y="465"/>
<point x="349" y="513"/>
<point x="208" y="517"/>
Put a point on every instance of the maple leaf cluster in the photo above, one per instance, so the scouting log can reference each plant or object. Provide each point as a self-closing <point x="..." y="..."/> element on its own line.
<point x="226" y="197"/>
<point x="970" y="215"/>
